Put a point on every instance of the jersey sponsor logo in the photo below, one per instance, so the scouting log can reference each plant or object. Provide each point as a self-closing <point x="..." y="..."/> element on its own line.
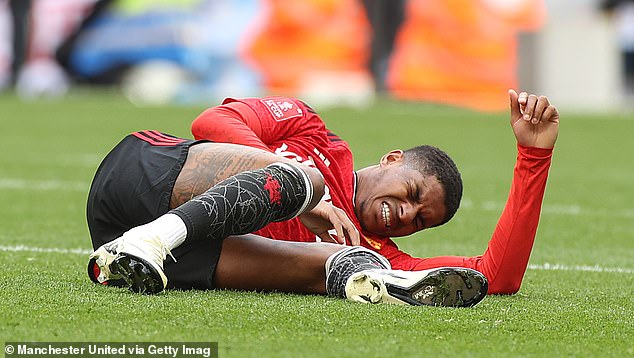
<point x="283" y="151"/>
<point x="282" y="108"/>
<point x="322" y="157"/>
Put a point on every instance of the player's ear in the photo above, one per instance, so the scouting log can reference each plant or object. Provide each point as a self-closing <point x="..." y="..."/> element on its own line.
<point x="393" y="156"/>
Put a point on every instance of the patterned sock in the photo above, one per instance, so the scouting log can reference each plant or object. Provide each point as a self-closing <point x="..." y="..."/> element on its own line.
<point x="246" y="202"/>
<point x="342" y="264"/>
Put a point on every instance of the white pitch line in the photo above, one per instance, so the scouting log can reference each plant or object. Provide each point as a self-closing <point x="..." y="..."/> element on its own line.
<point x="59" y="185"/>
<point x="542" y="267"/>
<point x="584" y="268"/>
<point x="551" y="209"/>
<point x="22" y="248"/>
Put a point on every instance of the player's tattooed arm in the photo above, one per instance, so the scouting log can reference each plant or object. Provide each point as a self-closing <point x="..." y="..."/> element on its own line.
<point x="210" y="163"/>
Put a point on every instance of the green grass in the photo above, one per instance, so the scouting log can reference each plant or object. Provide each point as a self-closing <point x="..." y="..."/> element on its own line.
<point x="50" y="151"/>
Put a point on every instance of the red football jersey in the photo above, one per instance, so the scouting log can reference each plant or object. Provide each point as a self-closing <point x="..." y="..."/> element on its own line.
<point x="290" y="128"/>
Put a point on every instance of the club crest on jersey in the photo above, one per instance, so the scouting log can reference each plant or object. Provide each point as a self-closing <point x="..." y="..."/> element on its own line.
<point x="282" y="108"/>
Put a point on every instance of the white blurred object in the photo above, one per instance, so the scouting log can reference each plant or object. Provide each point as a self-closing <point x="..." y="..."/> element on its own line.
<point x="153" y="83"/>
<point x="338" y="88"/>
<point x="574" y="58"/>
<point x="508" y="7"/>
<point x="41" y="78"/>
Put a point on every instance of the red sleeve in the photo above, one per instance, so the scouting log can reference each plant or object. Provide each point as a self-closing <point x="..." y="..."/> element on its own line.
<point x="233" y="122"/>
<point x="258" y="122"/>
<point x="506" y="258"/>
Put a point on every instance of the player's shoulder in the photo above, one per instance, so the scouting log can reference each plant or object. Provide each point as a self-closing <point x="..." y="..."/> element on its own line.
<point x="278" y="107"/>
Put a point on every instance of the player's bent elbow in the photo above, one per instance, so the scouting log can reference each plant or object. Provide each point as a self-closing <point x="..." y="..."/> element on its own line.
<point x="199" y="127"/>
<point x="504" y="288"/>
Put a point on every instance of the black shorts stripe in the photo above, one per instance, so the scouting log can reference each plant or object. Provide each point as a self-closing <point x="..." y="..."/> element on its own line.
<point x="158" y="138"/>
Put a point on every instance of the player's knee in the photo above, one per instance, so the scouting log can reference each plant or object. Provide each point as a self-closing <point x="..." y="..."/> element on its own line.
<point x="295" y="179"/>
<point x="317" y="181"/>
<point x="356" y="256"/>
<point x="342" y="264"/>
<point x="312" y="179"/>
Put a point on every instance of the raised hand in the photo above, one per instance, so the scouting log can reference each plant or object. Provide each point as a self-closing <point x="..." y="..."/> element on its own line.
<point x="534" y="120"/>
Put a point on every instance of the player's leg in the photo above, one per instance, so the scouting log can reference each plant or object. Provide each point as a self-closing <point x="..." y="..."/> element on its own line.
<point x="240" y="204"/>
<point x="251" y="262"/>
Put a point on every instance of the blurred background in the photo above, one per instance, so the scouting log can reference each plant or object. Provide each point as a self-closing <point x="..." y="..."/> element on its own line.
<point x="464" y="53"/>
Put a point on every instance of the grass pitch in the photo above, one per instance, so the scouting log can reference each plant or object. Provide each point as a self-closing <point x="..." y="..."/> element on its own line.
<point x="576" y="299"/>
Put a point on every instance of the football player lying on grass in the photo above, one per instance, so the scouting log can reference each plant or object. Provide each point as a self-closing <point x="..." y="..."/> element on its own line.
<point x="397" y="197"/>
<point x="156" y="195"/>
<point x="407" y="191"/>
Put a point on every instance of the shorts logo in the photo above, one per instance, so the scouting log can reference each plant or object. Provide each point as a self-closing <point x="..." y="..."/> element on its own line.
<point x="282" y="108"/>
<point x="273" y="187"/>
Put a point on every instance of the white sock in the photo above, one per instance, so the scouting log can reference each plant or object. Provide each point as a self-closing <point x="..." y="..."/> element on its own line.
<point x="172" y="230"/>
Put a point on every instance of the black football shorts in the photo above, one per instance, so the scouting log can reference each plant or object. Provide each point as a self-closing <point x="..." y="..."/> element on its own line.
<point x="132" y="187"/>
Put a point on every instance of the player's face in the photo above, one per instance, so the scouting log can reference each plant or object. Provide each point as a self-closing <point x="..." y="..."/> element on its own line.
<point x="400" y="201"/>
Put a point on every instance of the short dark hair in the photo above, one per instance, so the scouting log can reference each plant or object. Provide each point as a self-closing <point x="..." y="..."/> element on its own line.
<point x="430" y="160"/>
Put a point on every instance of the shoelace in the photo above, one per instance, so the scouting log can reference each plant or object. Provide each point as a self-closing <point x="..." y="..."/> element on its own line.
<point x="166" y="251"/>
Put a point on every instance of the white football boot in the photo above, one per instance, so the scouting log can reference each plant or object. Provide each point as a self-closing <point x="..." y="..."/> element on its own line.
<point x="99" y="265"/>
<point x="446" y="286"/>
<point x="134" y="260"/>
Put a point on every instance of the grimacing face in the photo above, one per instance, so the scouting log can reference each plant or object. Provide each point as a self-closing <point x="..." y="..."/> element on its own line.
<point x="395" y="200"/>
